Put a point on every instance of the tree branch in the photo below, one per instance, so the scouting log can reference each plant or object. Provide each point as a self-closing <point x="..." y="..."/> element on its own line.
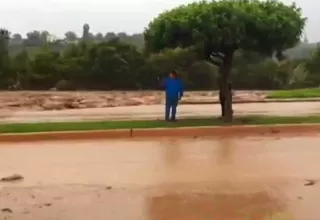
<point x="280" y="56"/>
<point x="218" y="55"/>
<point x="214" y="62"/>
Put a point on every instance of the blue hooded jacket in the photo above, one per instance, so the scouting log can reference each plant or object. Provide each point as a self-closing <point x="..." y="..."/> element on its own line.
<point x="174" y="89"/>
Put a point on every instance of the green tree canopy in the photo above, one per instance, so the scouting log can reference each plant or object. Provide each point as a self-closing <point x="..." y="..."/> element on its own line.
<point x="216" y="29"/>
<point x="71" y="36"/>
<point x="264" y="26"/>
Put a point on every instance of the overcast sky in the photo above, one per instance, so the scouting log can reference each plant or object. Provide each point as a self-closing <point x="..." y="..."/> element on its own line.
<point x="59" y="16"/>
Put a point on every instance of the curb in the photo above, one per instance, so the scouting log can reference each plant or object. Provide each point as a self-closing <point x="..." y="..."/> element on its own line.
<point x="212" y="131"/>
<point x="66" y="135"/>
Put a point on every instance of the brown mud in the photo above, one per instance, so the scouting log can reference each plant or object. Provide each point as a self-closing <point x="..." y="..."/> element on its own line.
<point x="58" y="100"/>
<point x="239" y="178"/>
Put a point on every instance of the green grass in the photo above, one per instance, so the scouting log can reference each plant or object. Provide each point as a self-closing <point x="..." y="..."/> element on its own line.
<point x="297" y="93"/>
<point x="107" y="125"/>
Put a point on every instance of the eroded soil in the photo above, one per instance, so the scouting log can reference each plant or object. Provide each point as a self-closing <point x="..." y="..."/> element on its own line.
<point x="53" y="100"/>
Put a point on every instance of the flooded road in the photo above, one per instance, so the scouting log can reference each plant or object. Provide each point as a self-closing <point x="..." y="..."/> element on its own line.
<point x="165" y="179"/>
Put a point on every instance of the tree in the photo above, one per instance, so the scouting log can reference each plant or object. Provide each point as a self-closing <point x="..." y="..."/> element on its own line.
<point x="70" y="36"/>
<point x="122" y="35"/>
<point x="135" y="39"/>
<point x="21" y="67"/>
<point x="45" y="69"/>
<point x="86" y="32"/>
<point x="110" y="36"/>
<point x="217" y="29"/>
<point x="114" y="65"/>
<point x="5" y="68"/>
<point x="72" y="62"/>
<point x="34" y="39"/>
<point x="99" y="37"/>
<point x="44" y="35"/>
<point x="4" y="41"/>
<point x="16" y="39"/>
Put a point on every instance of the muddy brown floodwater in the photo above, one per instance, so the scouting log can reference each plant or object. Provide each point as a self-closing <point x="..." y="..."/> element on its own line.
<point x="165" y="179"/>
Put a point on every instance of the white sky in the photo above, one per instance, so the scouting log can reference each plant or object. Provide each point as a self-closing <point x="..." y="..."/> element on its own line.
<point x="131" y="16"/>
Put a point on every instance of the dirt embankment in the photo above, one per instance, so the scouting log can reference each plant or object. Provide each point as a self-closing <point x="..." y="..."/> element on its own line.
<point x="52" y="100"/>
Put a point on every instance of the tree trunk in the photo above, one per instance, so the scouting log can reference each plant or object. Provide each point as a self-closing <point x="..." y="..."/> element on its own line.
<point x="225" y="93"/>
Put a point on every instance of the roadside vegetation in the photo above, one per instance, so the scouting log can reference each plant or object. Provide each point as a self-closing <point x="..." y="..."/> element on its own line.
<point x="295" y="94"/>
<point x="110" y="125"/>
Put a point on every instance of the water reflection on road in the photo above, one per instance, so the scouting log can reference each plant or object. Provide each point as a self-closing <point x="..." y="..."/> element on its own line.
<point x="222" y="197"/>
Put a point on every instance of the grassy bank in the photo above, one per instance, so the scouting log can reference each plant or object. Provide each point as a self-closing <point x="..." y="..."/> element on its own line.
<point x="107" y="125"/>
<point x="295" y="94"/>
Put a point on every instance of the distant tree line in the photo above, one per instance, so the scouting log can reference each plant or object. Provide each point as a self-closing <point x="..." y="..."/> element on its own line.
<point x="39" y="38"/>
<point x="118" y="61"/>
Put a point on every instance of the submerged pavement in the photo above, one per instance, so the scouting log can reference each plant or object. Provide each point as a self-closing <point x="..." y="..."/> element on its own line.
<point x="261" y="177"/>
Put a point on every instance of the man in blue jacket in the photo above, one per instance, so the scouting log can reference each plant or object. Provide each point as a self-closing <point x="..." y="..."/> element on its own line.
<point x="174" y="92"/>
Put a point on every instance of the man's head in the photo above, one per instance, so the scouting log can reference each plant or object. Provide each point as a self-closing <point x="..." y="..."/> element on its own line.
<point x="173" y="74"/>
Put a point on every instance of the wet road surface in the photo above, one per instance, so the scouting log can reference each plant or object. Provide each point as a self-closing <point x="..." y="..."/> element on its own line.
<point x="164" y="179"/>
<point x="157" y="111"/>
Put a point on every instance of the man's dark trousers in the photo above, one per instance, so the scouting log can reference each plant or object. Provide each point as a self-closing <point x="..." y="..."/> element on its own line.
<point x="171" y="107"/>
